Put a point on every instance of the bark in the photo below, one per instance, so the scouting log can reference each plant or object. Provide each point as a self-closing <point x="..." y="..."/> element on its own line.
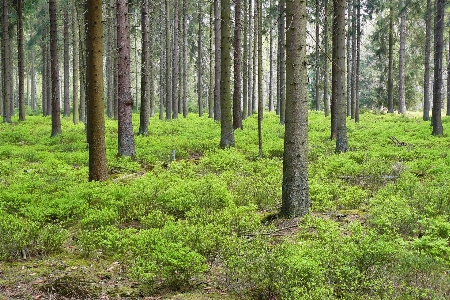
<point x="251" y="29"/>
<point x="185" y="58"/>
<point x="426" y="79"/>
<point x="211" y="66"/>
<point x="125" y="128"/>
<point x="349" y="56"/>
<point x="401" y="68"/>
<point x="390" y="87"/>
<point x="317" y="74"/>
<point x="175" y="63"/>
<point x="162" y="60"/>
<point x="295" y="197"/>
<point x="227" y="132"/>
<point x="199" y="60"/>
<point x="438" y="130"/>
<point x="109" y="61"/>
<point x="20" y="61"/>
<point x="354" y="58"/>
<point x="270" y="96"/>
<point x="44" y="76"/>
<point x="282" y="99"/>
<point x="260" y="76"/>
<point x="168" y="65"/>
<point x="83" y="64"/>
<point x="76" y="66"/>
<point x="6" y="66"/>
<point x="338" y="71"/>
<point x="358" y="58"/>
<point x="56" y="118"/>
<point x="254" y="102"/>
<point x="448" y="80"/>
<point x="98" y="169"/>
<point x="66" y="101"/>
<point x="245" y="62"/>
<point x="33" y="83"/>
<point x="217" y="63"/>
<point x="145" y="101"/>
<point x="326" y="101"/>
<point x="237" y="110"/>
<point x="49" y="80"/>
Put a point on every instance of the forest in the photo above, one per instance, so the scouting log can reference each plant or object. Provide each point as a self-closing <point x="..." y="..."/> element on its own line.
<point x="245" y="149"/>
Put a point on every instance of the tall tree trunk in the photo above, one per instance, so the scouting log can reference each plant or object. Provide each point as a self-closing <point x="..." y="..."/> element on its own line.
<point x="354" y="54"/>
<point x="49" y="80"/>
<point x="185" y="58"/>
<point x="295" y="196"/>
<point x="199" y="59"/>
<point x="448" y="80"/>
<point x="349" y="56"/>
<point x="438" y="63"/>
<point x="145" y="101"/>
<point x="66" y="112"/>
<point x="226" y="125"/>
<point x="251" y="30"/>
<point x="44" y="75"/>
<point x="282" y="29"/>
<point x="110" y="53"/>
<point x="211" y="59"/>
<point x="76" y="66"/>
<point x="426" y="79"/>
<point x="260" y="76"/>
<point x="326" y="101"/>
<point x="6" y="66"/>
<point x="255" y="59"/>
<point x="151" y="58"/>
<point x="217" y="63"/>
<point x="168" y="65"/>
<point x="237" y="110"/>
<point x="338" y="71"/>
<point x="390" y="87"/>
<point x="33" y="83"/>
<point x="125" y="128"/>
<point x="162" y="67"/>
<point x="401" y="68"/>
<point x="245" y="62"/>
<point x="98" y="169"/>
<point x="175" y="62"/>
<point x="20" y="61"/>
<point x="56" y="119"/>
<point x="358" y="58"/>
<point x="317" y="74"/>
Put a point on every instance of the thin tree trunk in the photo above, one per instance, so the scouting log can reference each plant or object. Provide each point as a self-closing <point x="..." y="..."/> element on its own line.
<point x="260" y="76"/>
<point x="317" y="75"/>
<point x="245" y="63"/>
<point x="401" y="68"/>
<point x="211" y="59"/>
<point x="390" y="87"/>
<point x="6" y="66"/>
<point x="217" y="63"/>
<point x="162" y="66"/>
<point x="168" y="65"/>
<point x="353" y="72"/>
<point x="271" y="106"/>
<point x="282" y="62"/>
<point x="66" y="101"/>
<point x="255" y="59"/>
<point x="49" y="80"/>
<point x="125" y="128"/>
<point x="145" y="101"/>
<point x="44" y="75"/>
<point x="175" y="63"/>
<point x="426" y="79"/>
<point x="20" y="61"/>
<point x="237" y="110"/>
<point x="251" y="30"/>
<point x="438" y="130"/>
<point x="358" y="58"/>
<point x="185" y="58"/>
<point x="56" y="120"/>
<point x="199" y="60"/>
<point x="448" y="80"/>
<point x="33" y="84"/>
<point x="326" y="101"/>
<point x="110" y="53"/>
<point x="349" y="56"/>
<point x="76" y="66"/>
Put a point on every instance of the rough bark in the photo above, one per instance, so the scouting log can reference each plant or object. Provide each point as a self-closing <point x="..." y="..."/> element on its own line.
<point x="338" y="75"/>
<point x="76" y="66"/>
<point x="98" y="169"/>
<point x="326" y="101"/>
<point x="354" y="58"/>
<point x="168" y="64"/>
<point x="295" y="196"/>
<point x="349" y="56"/>
<point x="245" y="62"/>
<point x="448" y="80"/>
<point x="110" y="53"/>
<point x="426" y="77"/>
<point x="270" y="96"/>
<point x="237" y="110"/>
<point x="358" y="58"/>
<point x="211" y="65"/>
<point x="390" y="87"/>
<point x="125" y="128"/>
<point x="33" y="83"/>
<point x="6" y="66"/>
<point x="66" y="111"/>
<point x="161" y="65"/>
<point x="56" y="118"/>
<point x="316" y="59"/>
<point x="254" y="102"/>
<point x="217" y="63"/>
<point x="438" y="130"/>
<point x="199" y="60"/>
<point x="260" y="77"/>
<point x="175" y="62"/>
<point x="401" y="67"/>
<point x="44" y="76"/>
<point x="185" y="58"/>
<point x="282" y="29"/>
<point x="20" y="61"/>
<point x="251" y="29"/>
<point x="145" y="101"/>
<point x="226" y="125"/>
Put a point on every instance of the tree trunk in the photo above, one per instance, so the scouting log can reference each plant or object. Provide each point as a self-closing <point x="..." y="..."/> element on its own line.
<point x="401" y="68"/>
<point x="245" y="62"/>
<point x="237" y="110"/>
<point x="282" y="99"/>
<point x="110" y="53"/>
<point x="226" y="125"/>
<point x="260" y="76"/>
<point x="98" y="169"/>
<point x="44" y="75"/>
<point x="426" y="79"/>
<point x="185" y="58"/>
<point x="317" y="74"/>
<point x="390" y="87"/>
<point x="349" y="56"/>
<point x="251" y="29"/>
<point x="76" y="66"/>
<point x="125" y="128"/>
<point x="162" y="61"/>
<point x="49" y="80"/>
<point x="56" y="119"/>
<point x="295" y="197"/>
<point x="217" y="63"/>
<point x="175" y="64"/>
<point x="338" y="71"/>
<point x="20" y="61"/>
<point x="326" y="101"/>
<point x="448" y="80"/>
<point x="211" y="66"/>
<point x="6" y="66"/>
<point x="168" y="65"/>
<point x="358" y="58"/>
<point x="199" y="60"/>
<point x="254" y="102"/>
<point x="438" y="63"/>
<point x="145" y="101"/>
<point x="33" y="83"/>
<point x="66" y="112"/>
<point x="353" y="72"/>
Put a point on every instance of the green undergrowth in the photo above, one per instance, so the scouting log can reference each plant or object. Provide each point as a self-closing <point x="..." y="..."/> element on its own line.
<point x="379" y="226"/>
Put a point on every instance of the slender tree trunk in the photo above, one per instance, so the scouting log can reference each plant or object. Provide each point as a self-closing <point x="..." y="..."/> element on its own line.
<point x="251" y="29"/>
<point x="151" y="58"/>
<point x="245" y="62"/>
<point x="326" y="101"/>
<point x="199" y="60"/>
<point x="438" y="63"/>
<point x="185" y="58"/>
<point x="255" y="59"/>
<point x="317" y="75"/>
<point x="237" y="110"/>
<point x="33" y="84"/>
<point x="282" y="62"/>
<point x="217" y="63"/>
<point x="175" y="60"/>
<point x="145" y="101"/>
<point x="271" y="105"/>
<point x="115" y="71"/>
<point x="20" y="61"/>
<point x="401" y="68"/>
<point x="125" y="128"/>
<point x="448" y="80"/>
<point x="162" y="66"/>
<point x="358" y="58"/>
<point x="168" y="65"/>
<point x="338" y="71"/>
<point x="6" y="66"/>
<point x="211" y="59"/>
<point x="353" y="72"/>
<point x="426" y="79"/>
<point x="295" y="196"/>
<point x="390" y="87"/>
<point x="56" y="119"/>
<point x="110" y="53"/>
<point x="44" y="75"/>
<point x="76" y="66"/>
<point x="349" y="56"/>
<point x="226" y="125"/>
<point x="66" y="112"/>
<point x="49" y="80"/>
<point x="260" y="76"/>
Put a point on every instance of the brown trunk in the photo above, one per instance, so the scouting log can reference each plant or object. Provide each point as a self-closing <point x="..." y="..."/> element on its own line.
<point x="185" y="58"/>
<point x="44" y="75"/>
<point x="326" y="101"/>
<point x="66" y="63"/>
<point x="245" y="63"/>
<point x="175" y="62"/>
<point x="145" y="101"/>
<point x="168" y="65"/>
<point x="217" y="63"/>
<point x="237" y="110"/>
<point x="260" y="76"/>
<point x="282" y="61"/>
<point x="125" y="128"/>
<point x="438" y="63"/>
<point x="251" y="30"/>
<point x="6" y="66"/>
<point x="20" y="61"/>
<point x="426" y="79"/>
<point x="56" y="118"/>
<point x="401" y="68"/>
<point x="317" y="74"/>
<point x="199" y="60"/>
<point x="76" y="65"/>
<point x="390" y="87"/>
<point x="211" y="66"/>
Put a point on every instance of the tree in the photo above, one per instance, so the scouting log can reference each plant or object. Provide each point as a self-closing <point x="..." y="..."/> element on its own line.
<point x="185" y="62"/>
<point x="390" y="86"/>
<point x="145" y="101"/>
<point x="66" y="111"/>
<point x="245" y="62"/>
<point x="226" y="124"/>
<point x="326" y="101"/>
<point x="338" y="71"/>
<point x="6" y="65"/>
<point x="76" y="66"/>
<point x="20" y="53"/>
<point x="175" y="64"/>
<point x="438" y="63"/>
<point x="168" y="85"/>
<point x="217" y="63"/>
<point x="281" y="62"/>
<point x="237" y="110"/>
<point x="125" y="129"/>
<point x="295" y="197"/>
<point x="98" y="169"/>
<point x="401" y="67"/>
<point x="260" y="76"/>
<point x="426" y="79"/>
<point x="316" y="59"/>
<point x="56" y="119"/>
<point x="199" y="59"/>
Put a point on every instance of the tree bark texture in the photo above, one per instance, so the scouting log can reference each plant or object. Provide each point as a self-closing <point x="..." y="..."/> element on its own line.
<point x="390" y="87"/>
<point x="217" y="63"/>
<point x="317" y="50"/>
<point x="66" y="111"/>
<point x="426" y="79"/>
<point x="260" y="77"/>
<point x="237" y="109"/>
<point x="175" y="62"/>
<point x="6" y="66"/>
<point x="326" y="101"/>
<point x="76" y="66"/>
<point x="199" y="61"/>
<point x="145" y="101"/>
<point x="20" y="61"/>
<point x="438" y="130"/>
<point x="56" y="118"/>
<point x="401" y="67"/>
<point x="281" y="32"/>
